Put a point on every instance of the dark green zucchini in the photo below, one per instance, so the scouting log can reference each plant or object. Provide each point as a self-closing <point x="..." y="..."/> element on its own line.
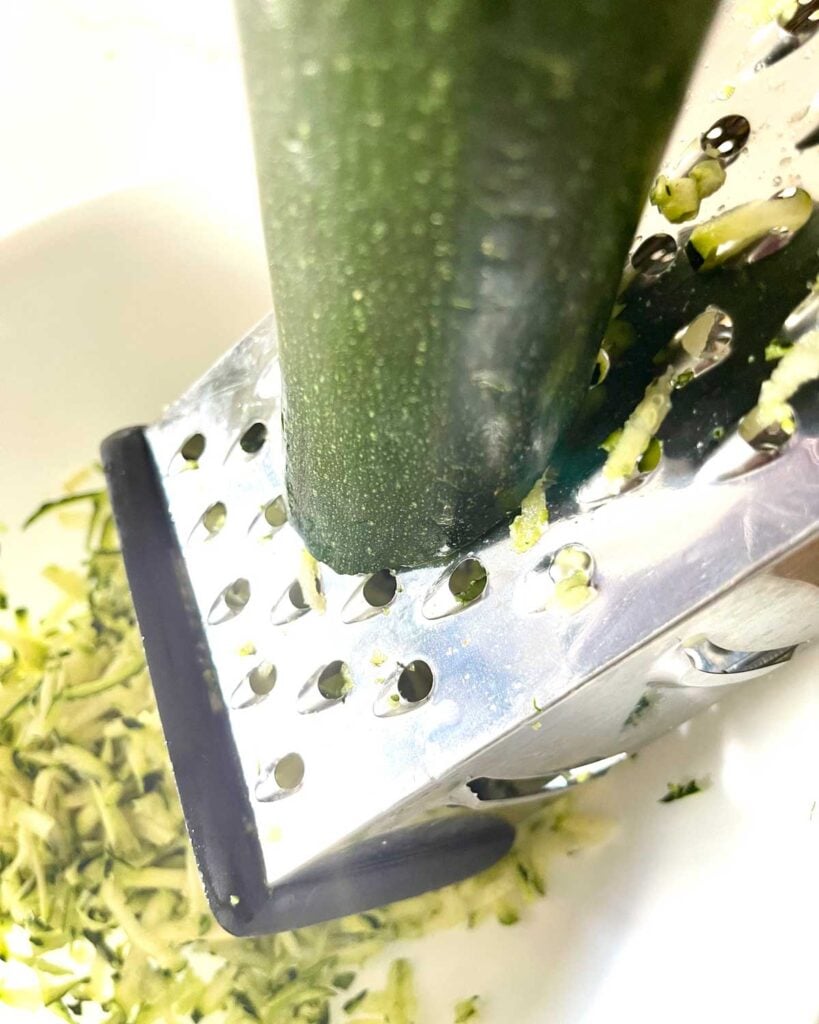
<point x="448" y="188"/>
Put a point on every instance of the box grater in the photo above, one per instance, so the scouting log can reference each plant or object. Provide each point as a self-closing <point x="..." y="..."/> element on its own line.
<point x="330" y="761"/>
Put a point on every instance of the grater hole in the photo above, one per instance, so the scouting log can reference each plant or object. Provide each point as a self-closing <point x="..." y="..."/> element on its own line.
<point x="334" y="681"/>
<point x="230" y="602"/>
<point x="297" y="598"/>
<point x="214" y="518"/>
<point x="262" y="678"/>
<point x="290" y="606"/>
<point x="467" y="581"/>
<point x="190" y="452"/>
<point x="253" y="439"/>
<point x="726" y="138"/>
<point x="275" y="513"/>
<point x="771" y="440"/>
<point x="415" y="682"/>
<point x="255" y="686"/>
<point x="654" y="255"/>
<point x="602" y="366"/>
<point x="701" y="345"/>
<point x="289" y="771"/>
<point x="280" y="778"/>
<point x="379" y="590"/>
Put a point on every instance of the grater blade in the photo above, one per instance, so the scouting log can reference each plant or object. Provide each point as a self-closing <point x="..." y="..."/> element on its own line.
<point x="366" y="732"/>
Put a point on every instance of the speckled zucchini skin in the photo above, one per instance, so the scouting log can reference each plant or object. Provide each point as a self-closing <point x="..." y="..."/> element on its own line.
<point x="449" y="189"/>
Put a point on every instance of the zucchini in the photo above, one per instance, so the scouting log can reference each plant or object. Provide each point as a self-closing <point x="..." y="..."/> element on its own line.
<point x="448" y="189"/>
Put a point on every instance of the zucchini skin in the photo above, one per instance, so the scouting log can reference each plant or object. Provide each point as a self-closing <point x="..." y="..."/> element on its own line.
<point x="449" y="189"/>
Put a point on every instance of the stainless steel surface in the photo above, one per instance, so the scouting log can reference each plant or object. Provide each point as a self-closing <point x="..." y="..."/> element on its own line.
<point x="697" y="572"/>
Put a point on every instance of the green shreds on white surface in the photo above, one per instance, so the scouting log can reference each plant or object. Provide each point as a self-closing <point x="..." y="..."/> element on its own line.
<point x="394" y="1004"/>
<point x="797" y="366"/>
<point x="679" y="199"/>
<point x="101" y="904"/>
<point x="467" y="1009"/>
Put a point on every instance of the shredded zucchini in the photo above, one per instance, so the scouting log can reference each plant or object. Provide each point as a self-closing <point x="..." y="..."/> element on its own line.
<point x="466" y="1009"/>
<point x="797" y="366"/>
<point x="730" y="234"/>
<point x="678" y="790"/>
<point x="528" y="526"/>
<point x="679" y="199"/>
<point x="101" y="904"/>
<point x="633" y="442"/>
<point x="310" y="581"/>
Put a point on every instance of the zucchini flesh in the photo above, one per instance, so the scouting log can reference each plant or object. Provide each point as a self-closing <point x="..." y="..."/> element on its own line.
<point x="757" y="297"/>
<point x="449" y="189"/>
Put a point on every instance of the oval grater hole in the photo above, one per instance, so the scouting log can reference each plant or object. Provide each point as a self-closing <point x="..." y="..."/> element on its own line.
<point x="189" y="453"/>
<point x="371" y="597"/>
<point x="255" y="686"/>
<point x="269" y="520"/>
<point x="279" y="779"/>
<point x="380" y="589"/>
<point x="262" y="678"/>
<point x="602" y="366"/>
<point x="467" y="582"/>
<point x="600" y="489"/>
<point x="726" y="138"/>
<point x="328" y="686"/>
<point x="701" y="345"/>
<point x="563" y="580"/>
<point x="655" y="255"/>
<point x="289" y="771"/>
<point x="458" y="588"/>
<point x="291" y="605"/>
<point x="334" y="681"/>
<point x="735" y="456"/>
<point x="275" y="513"/>
<point x="230" y="602"/>
<point x="253" y="439"/>
<point x="214" y="518"/>
<point x="414" y="684"/>
<point x="772" y="439"/>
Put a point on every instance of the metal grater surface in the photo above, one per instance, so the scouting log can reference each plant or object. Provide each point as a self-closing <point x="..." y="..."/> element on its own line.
<point x="413" y="692"/>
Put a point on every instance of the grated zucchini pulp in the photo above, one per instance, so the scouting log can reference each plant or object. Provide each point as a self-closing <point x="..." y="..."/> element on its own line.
<point x="101" y="904"/>
<point x="679" y="199"/>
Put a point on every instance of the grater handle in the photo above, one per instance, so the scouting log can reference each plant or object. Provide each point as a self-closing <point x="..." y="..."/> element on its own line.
<point x="396" y="865"/>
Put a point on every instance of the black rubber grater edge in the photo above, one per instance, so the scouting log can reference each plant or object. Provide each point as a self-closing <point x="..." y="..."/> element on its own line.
<point x="396" y="865"/>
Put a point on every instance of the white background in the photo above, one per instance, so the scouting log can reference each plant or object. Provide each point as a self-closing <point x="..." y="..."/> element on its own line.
<point x="130" y="256"/>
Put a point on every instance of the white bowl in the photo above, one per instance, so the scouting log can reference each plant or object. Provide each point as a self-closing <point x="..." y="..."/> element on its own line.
<point x="701" y="910"/>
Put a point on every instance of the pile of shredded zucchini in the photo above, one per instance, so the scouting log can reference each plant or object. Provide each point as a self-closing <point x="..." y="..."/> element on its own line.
<point x="101" y="905"/>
